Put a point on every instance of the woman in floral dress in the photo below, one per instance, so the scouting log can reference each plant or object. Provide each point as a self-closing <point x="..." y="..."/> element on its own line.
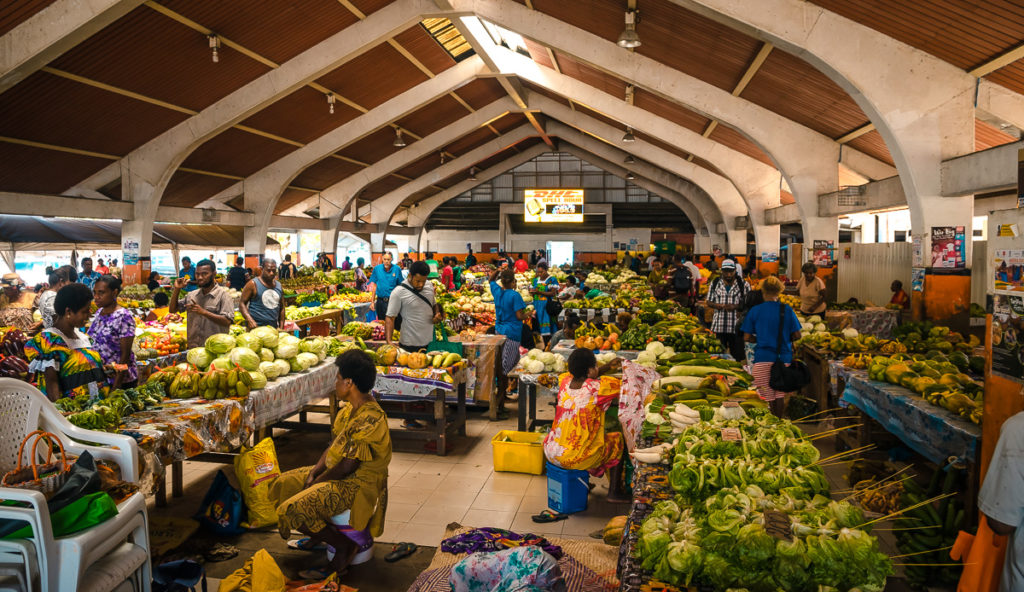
<point x="578" y="439"/>
<point x="113" y="331"/>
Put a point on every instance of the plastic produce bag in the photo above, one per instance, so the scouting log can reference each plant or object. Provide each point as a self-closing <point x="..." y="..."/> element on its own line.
<point x="256" y="468"/>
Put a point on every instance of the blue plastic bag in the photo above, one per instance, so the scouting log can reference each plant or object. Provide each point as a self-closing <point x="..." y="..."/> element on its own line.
<point x="223" y="510"/>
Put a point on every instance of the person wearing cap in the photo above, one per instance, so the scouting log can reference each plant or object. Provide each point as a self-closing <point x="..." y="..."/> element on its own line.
<point x="725" y="297"/>
<point x="16" y="303"/>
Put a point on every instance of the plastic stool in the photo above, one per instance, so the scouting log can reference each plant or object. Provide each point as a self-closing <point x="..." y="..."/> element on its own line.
<point x="359" y="537"/>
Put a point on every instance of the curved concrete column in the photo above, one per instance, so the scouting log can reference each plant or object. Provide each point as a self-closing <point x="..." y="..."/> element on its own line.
<point x="922" y="106"/>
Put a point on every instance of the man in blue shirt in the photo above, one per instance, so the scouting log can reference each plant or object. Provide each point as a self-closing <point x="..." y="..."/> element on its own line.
<point x="189" y="272"/>
<point x="88" y="277"/>
<point x="385" y="276"/>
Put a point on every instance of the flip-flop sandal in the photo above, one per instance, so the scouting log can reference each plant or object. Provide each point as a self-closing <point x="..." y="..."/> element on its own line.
<point x="221" y="552"/>
<point x="306" y="544"/>
<point x="400" y="551"/>
<point x="412" y="424"/>
<point x="548" y="516"/>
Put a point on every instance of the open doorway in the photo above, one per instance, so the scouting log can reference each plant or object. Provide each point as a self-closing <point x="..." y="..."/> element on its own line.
<point x="560" y="253"/>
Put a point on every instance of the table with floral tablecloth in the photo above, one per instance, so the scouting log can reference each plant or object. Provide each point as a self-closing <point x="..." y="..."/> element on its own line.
<point x="401" y="381"/>
<point x="424" y="394"/>
<point x="287" y="395"/>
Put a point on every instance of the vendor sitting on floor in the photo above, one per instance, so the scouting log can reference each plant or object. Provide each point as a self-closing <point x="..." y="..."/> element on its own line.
<point x="352" y="474"/>
<point x="577" y="440"/>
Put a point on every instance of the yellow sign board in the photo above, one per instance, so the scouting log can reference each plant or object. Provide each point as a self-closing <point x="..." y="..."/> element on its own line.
<point x="553" y="205"/>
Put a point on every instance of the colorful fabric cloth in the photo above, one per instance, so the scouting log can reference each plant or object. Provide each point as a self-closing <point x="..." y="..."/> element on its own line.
<point x="496" y="539"/>
<point x="79" y="367"/>
<point x="512" y="570"/>
<point x="361" y="435"/>
<point x="106" y="333"/>
<point x="544" y="320"/>
<point x="720" y="292"/>
<point x="762" y="373"/>
<point x="88" y="279"/>
<point x="577" y="439"/>
<point x="510" y="355"/>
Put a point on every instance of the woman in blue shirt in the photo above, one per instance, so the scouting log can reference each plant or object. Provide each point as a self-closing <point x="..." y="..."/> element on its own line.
<point x="509" y="313"/>
<point x="545" y="287"/>
<point x="761" y="327"/>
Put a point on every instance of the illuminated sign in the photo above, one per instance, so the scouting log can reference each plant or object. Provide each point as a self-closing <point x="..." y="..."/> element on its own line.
<point x="553" y="205"/>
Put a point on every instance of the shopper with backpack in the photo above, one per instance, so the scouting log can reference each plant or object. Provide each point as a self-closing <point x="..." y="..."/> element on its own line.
<point x="726" y="296"/>
<point x="682" y="282"/>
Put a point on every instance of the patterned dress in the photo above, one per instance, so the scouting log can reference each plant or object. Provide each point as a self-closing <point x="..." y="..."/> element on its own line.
<point x="361" y="435"/>
<point x="577" y="439"/>
<point x="106" y="332"/>
<point x="546" y="324"/>
<point x="79" y="367"/>
<point x="513" y="570"/>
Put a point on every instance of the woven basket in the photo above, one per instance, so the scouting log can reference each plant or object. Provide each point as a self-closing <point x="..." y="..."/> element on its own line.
<point x="46" y="477"/>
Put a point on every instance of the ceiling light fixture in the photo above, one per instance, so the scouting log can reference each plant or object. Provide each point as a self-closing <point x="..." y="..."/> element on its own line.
<point x="399" y="140"/>
<point x="629" y="159"/>
<point x="472" y="173"/>
<point x="214" y="47"/>
<point x="442" y="158"/>
<point x="629" y="39"/>
<point x="628" y="137"/>
<point x="330" y="103"/>
<point x="629" y="176"/>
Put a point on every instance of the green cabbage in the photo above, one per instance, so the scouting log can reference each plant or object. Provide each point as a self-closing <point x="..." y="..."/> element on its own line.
<point x="259" y="380"/>
<point x="686" y="558"/>
<point x="222" y="363"/>
<point x="308" y="359"/>
<point x="246" y="358"/>
<point x="312" y="344"/>
<point x="268" y="336"/>
<point x="288" y="338"/>
<point x="266" y="354"/>
<point x="283" y="367"/>
<point x="270" y="370"/>
<point x="249" y="340"/>
<point x="286" y="351"/>
<point x="296" y="365"/>
<point x="220" y="343"/>
<point x="198" y="356"/>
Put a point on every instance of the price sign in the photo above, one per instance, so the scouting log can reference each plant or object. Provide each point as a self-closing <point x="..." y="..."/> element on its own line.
<point x="778" y="525"/>
<point x="590" y="314"/>
<point x="730" y="404"/>
<point x="731" y="434"/>
<point x="604" y="313"/>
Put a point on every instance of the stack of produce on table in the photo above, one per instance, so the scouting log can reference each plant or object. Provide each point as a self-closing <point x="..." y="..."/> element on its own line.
<point x="540" y="362"/>
<point x="155" y="340"/>
<point x="792" y="300"/>
<point x="350" y="295"/>
<point x="315" y="298"/>
<point x="909" y="337"/>
<point x="652" y="311"/>
<point x="929" y="525"/>
<point x="297" y="313"/>
<point x="13" y="363"/>
<point x="391" y="355"/>
<point x="846" y="306"/>
<point x="359" y="329"/>
<point x="335" y="276"/>
<point x="468" y="301"/>
<point x="684" y="333"/>
<point x="752" y="513"/>
<point x="107" y="414"/>
<point x="603" y="280"/>
<point x="919" y="337"/>
<point x="598" y="303"/>
<point x="590" y="336"/>
<point x="938" y="378"/>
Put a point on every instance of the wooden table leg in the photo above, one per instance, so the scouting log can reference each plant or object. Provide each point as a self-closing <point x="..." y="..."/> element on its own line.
<point x="177" y="479"/>
<point x="161" y="491"/>
<point x="521" y="404"/>
<point x="533" y="408"/>
<point x="441" y="423"/>
<point x="462" y="409"/>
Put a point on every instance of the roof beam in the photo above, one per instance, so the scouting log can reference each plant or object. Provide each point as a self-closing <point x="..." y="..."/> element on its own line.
<point x="52" y="31"/>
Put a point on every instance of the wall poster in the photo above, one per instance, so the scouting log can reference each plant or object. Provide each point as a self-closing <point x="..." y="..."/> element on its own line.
<point x="1007" y="331"/>
<point x="822" y="253"/>
<point x="130" y="252"/>
<point x="917" y="279"/>
<point x="918" y="260"/>
<point x="948" y="247"/>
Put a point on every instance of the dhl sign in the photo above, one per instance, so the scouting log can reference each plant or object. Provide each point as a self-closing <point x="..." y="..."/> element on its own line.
<point x="553" y="205"/>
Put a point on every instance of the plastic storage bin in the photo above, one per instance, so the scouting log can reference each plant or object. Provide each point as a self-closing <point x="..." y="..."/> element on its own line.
<point x="523" y="454"/>
<point x="567" y="490"/>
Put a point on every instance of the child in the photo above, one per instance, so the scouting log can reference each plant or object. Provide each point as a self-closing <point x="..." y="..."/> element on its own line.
<point x="577" y="439"/>
<point x="161" y="301"/>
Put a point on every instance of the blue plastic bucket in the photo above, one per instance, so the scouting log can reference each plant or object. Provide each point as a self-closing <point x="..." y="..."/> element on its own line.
<point x="568" y="490"/>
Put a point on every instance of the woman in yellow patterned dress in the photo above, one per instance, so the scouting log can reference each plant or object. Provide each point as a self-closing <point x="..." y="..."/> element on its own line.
<point x="352" y="474"/>
<point x="578" y="440"/>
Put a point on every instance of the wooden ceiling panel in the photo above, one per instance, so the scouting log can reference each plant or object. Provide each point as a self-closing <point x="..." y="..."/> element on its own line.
<point x="965" y="33"/>
<point x="25" y="169"/>
<point x="325" y="173"/>
<point x="798" y="91"/>
<point x="381" y="187"/>
<point x="586" y="73"/>
<point x="368" y="7"/>
<point x="302" y="116"/>
<point x="434" y="116"/>
<point x="278" y="31"/>
<point x="509" y="122"/>
<point x="533" y="88"/>
<point x="158" y="57"/>
<point x="189" y="189"/>
<point x="289" y="198"/>
<point x="539" y="53"/>
<point x="373" y="147"/>
<point x="54" y="110"/>
<point x="872" y="144"/>
<point x="1011" y="76"/>
<point x="987" y="136"/>
<point x="234" y="152"/>
<point x="481" y="92"/>
<point x="15" y="12"/>
<point x="374" y="77"/>
<point x="421" y="167"/>
<point x="423" y="47"/>
<point x="731" y="138"/>
<point x="670" y="110"/>
<point x="470" y="141"/>
<point x="508" y="153"/>
<point x="608" y="120"/>
<point x="786" y="198"/>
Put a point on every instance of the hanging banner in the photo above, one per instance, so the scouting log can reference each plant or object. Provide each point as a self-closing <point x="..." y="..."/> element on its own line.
<point x="1007" y="331"/>
<point x="948" y="247"/>
<point x="1008" y="270"/>
<point x="821" y="253"/>
<point x="917" y="279"/>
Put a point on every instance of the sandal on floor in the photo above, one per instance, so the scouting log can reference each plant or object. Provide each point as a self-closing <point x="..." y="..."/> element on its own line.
<point x="412" y="424"/>
<point x="548" y="516"/>
<point x="400" y="551"/>
<point x="306" y="544"/>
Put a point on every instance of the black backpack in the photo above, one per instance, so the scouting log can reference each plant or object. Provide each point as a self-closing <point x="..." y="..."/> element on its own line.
<point x="682" y="279"/>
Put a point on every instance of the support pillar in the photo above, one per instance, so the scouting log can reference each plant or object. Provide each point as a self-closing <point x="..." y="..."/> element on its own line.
<point x="137" y="233"/>
<point x="767" y="247"/>
<point x="255" y="242"/>
<point x="376" y="246"/>
<point x="701" y="245"/>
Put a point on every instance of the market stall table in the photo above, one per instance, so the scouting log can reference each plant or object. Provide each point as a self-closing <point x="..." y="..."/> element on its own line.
<point x="483" y="353"/>
<point x="529" y="385"/>
<point x="397" y="386"/>
<point x="873" y="320"/>
<point x="565" y="348"/>
<point x="320" y="324"/>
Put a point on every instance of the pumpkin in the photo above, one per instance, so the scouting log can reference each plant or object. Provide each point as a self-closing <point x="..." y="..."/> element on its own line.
<point x="417" y="360"/>
<point x="387" y="354"/>
<point x="403" y="359"/>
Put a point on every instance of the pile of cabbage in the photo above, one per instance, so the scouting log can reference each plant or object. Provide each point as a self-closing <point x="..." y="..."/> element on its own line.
<point x="264" y="352"/>
<point x="541" y="362"/>
<point x="654" y="351"/>
<point x="753" y="515"/>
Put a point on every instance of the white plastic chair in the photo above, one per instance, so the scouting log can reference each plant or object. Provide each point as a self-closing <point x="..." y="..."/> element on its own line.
<point x="100" y="558"/>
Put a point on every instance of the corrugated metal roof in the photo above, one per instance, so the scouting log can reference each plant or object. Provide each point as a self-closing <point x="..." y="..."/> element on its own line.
<point x="509" y="122"/>
<point x="670" y="110"/>
<point x="15" y="12"/>
<point x="289" y="198"/>
<point x="381" y="187"/>
<point x="30" y="231"/>
<point x="481" y="92"/>
<point x="593" y="76"/>
<point x="728" y="136"/>
<point x="26" y="169"/>
<point x="325" y="173"/>
<point x="417" y="41"/>
<point x="469" y="141"/>
<point x="374" y="147"/>
<point x="368" y="7"/>
<point x="987" y="136"/>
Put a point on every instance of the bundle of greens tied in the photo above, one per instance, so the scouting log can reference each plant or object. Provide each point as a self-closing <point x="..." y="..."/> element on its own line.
<point x="753" y="514"/>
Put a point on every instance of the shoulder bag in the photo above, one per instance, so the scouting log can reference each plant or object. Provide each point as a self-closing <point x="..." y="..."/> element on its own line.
<point x="787" y="379"/>
<point x="553" y="306"/>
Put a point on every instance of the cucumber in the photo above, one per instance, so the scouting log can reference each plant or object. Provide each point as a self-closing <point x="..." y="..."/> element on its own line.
<point x="933" y="484"/>
<point x="950" y="481"/>
<point x="950" y="518"/>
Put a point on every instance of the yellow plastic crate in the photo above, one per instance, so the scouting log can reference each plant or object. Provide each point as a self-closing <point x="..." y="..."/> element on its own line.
<point x="523" y="454"/>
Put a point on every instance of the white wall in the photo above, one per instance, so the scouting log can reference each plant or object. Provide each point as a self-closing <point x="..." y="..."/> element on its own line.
<point x="451" y="241"/>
